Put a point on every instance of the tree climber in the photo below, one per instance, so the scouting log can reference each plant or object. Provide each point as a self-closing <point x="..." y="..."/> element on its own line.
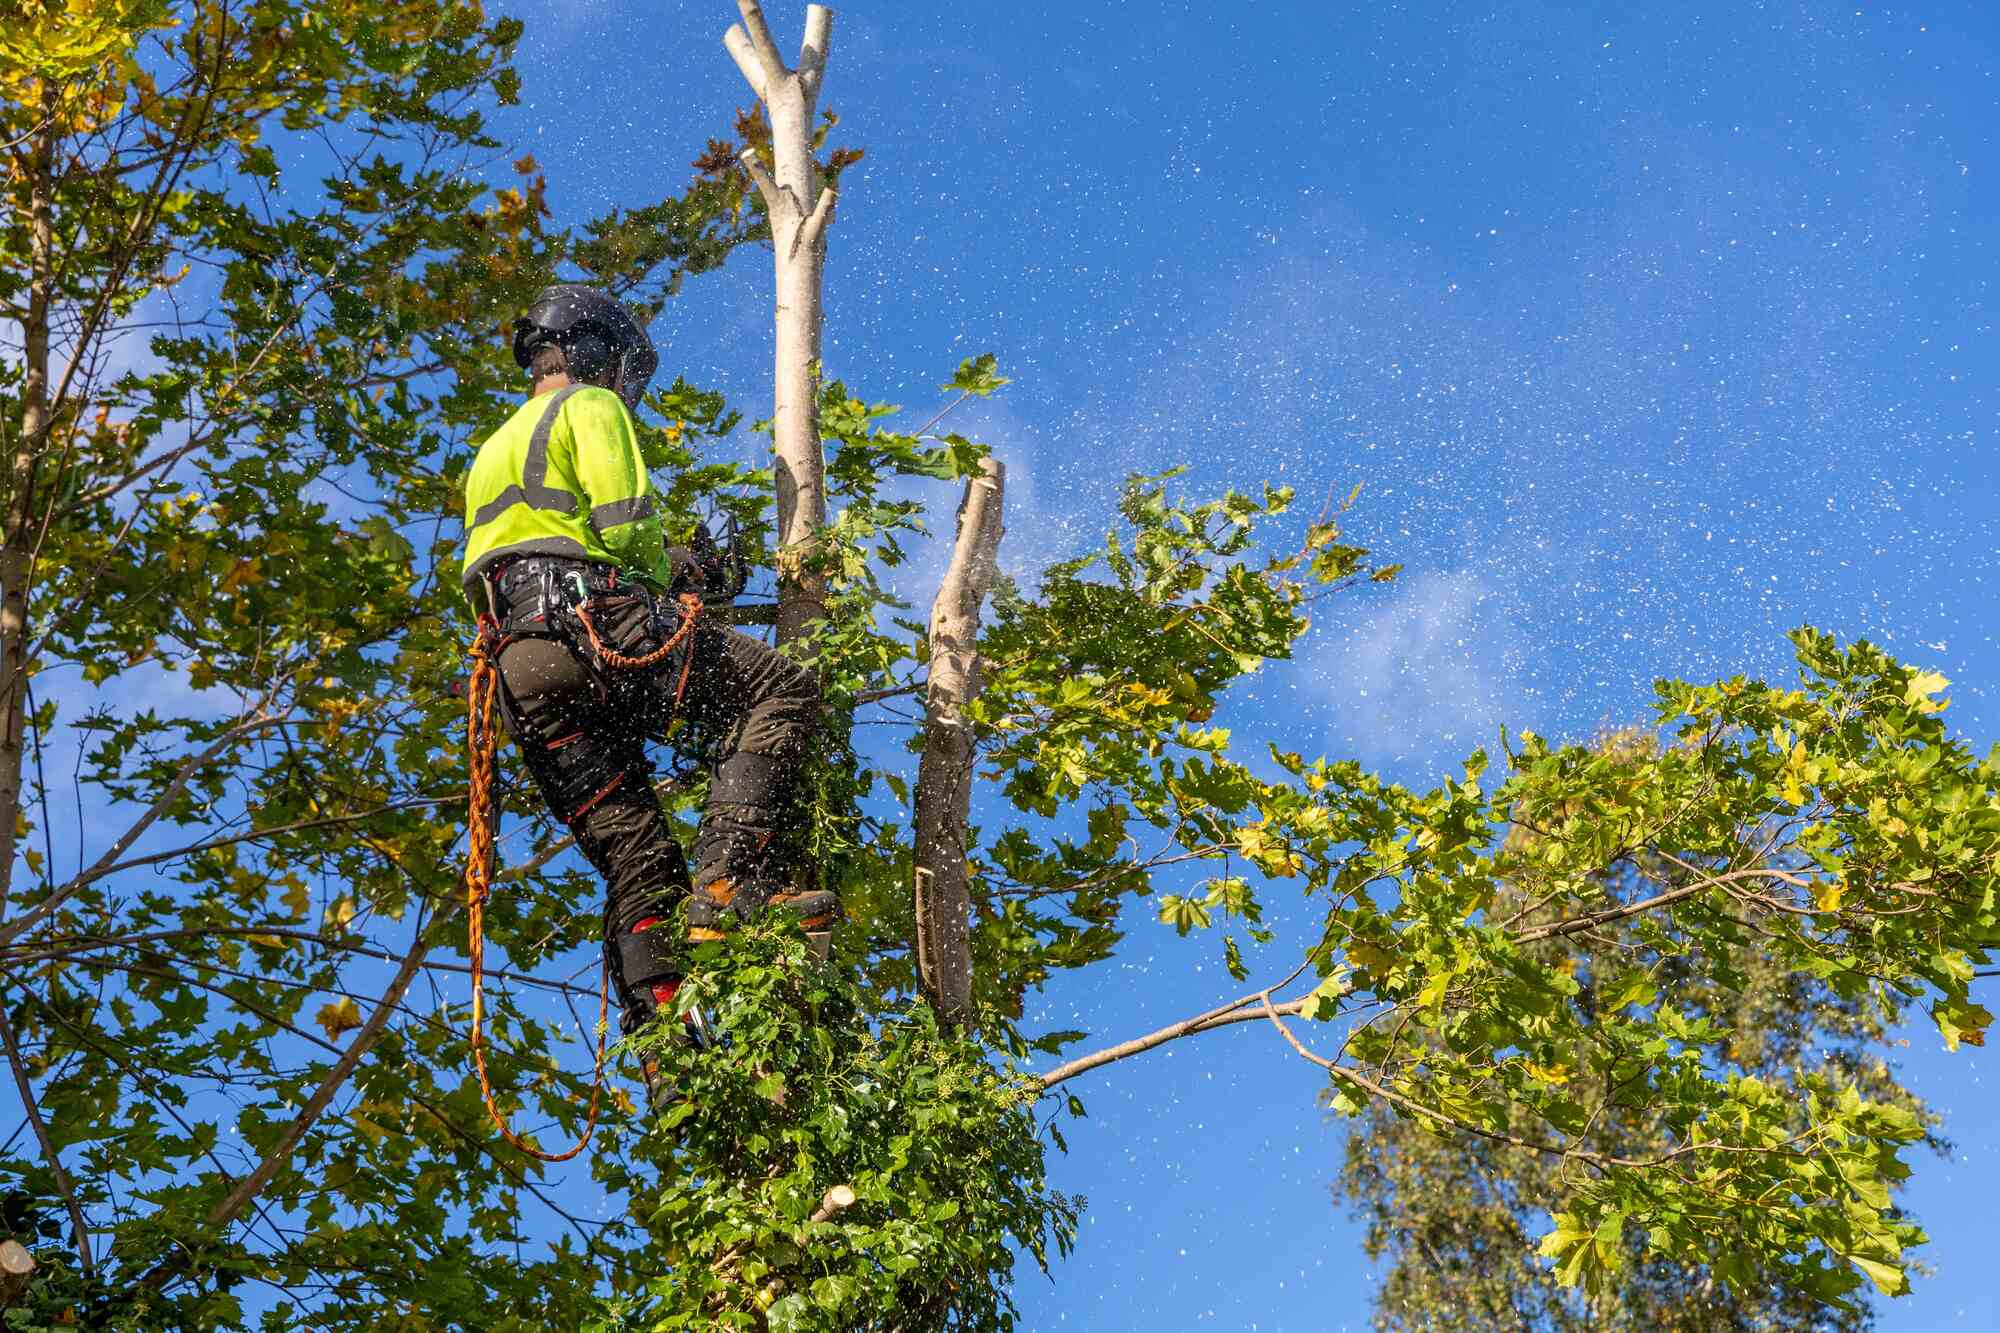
<point x="564" y="551"/>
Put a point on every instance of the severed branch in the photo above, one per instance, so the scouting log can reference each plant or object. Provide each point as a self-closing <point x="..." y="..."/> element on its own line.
<point x="831" y="1205"/>
<point x="1237" y="1010"/>
<point x="944" y="773"/>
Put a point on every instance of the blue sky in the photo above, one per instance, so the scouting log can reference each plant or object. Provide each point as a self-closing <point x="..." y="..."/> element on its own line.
<point x="1649" y="335"/>
<point x="1650" y="331"/>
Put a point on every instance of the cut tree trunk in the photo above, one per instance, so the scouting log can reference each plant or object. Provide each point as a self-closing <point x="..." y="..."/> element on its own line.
<point x="800" y="205"/>
<point x="944" y="774"/>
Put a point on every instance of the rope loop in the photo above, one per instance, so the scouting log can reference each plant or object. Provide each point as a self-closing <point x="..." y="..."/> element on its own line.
<point x="690" y="612"/>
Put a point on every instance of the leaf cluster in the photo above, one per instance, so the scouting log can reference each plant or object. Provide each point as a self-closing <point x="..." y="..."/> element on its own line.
<point x="802" y="1091"/>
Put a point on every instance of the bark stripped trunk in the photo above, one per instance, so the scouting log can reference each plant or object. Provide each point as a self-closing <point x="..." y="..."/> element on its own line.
<point x="800" y="205"/>
<point x="17" y="529"/>
<point x="944" y="774"/>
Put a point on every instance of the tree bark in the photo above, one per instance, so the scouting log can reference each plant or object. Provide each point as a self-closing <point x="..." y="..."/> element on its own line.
<point x="944" y="773"/>
<point x="17" y="529"/>
<point x="800" y="205"/>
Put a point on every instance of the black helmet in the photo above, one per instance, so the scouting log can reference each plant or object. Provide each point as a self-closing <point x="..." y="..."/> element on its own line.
<point x="591" y="329"/>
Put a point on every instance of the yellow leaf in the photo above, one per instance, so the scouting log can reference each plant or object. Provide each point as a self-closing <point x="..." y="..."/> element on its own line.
<point x="296" y="899"/>
<point x="1554" y="1075"/>
<point x="246" y="571"/>
<point x="338" y="1018"/>
<point x="1369" y="956"/>
<point x="1828" y="895"/>
<point x="1923" y="684"/>
<point x="1432" y="994"/>
<point x="342" y="912"/>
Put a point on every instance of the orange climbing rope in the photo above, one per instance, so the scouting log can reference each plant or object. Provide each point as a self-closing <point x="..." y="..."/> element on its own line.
<point x="481" y="740"/>
<point x="690" y="612"/>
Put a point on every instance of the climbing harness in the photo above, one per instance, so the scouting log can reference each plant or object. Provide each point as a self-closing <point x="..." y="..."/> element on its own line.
<point x="481" y="744"/>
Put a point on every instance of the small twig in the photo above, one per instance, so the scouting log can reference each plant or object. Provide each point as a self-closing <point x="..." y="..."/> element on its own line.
<point x="257" y="720"/>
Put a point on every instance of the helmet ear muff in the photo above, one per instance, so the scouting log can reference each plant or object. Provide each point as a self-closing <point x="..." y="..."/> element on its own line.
<point x="589" y="352"/>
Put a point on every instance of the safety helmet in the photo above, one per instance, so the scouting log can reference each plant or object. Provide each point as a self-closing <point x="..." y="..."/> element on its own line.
<point x="592" y="329"/>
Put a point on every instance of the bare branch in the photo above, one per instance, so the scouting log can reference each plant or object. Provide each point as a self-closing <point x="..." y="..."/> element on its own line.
<point x="755" y="51"/>
<point x="258" y="720"/>
<point x="248" y="1188"/>
<point x="740" y="49"/>
<point x="814" y="227"/>
<point x="760" y="177"/>
<point x="1236" y="1011"/>
<point x="812" y="52"/>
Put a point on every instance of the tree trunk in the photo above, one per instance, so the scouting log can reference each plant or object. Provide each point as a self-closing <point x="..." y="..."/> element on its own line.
<point x="944" y="774"/>
<point x="800" y="205"/>
<point x="17" y="530"/>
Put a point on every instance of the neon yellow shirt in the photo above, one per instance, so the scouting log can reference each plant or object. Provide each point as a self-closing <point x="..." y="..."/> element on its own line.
<point x="564" y="477"/>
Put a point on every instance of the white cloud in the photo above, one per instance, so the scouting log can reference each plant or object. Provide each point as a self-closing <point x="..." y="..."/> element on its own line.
<point x="1430" y="674"/>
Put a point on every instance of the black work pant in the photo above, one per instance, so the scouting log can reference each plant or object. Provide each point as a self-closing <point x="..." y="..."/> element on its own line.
<point x="583" y="731"/>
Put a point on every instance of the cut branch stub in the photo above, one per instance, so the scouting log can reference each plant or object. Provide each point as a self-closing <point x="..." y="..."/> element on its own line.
<point x="17" y="1269"/>
<point x="944" y="774"/>
<point x="800" y="206"/>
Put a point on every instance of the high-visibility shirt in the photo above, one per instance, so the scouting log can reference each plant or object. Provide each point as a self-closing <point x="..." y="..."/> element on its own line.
<point x="564" y="477"/>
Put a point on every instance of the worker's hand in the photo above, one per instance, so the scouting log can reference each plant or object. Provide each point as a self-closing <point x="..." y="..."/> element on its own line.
<point x="683" y="570"/>
<point x="710" y="571"/>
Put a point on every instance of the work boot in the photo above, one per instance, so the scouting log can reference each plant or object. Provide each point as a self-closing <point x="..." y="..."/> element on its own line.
<point x="726" y="899"/>
<point x="648" y="970"/>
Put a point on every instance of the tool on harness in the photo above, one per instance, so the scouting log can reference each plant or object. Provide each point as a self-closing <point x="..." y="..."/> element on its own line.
<point x="481" y="744"/>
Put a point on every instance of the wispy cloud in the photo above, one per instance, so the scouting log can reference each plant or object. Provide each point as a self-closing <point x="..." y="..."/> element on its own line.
<point x="1427" y="675"/>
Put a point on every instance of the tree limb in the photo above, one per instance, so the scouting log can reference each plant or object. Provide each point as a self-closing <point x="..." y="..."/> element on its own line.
<point x="253" y="1184"/>
<point x="63" y="1183"/>
<point x="813" y="50"/>
<point x="1236" y="1011"/>
<point x="17" y="1269"/>
<point x="756" y="37"/>
<point x="256" y="721"/>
